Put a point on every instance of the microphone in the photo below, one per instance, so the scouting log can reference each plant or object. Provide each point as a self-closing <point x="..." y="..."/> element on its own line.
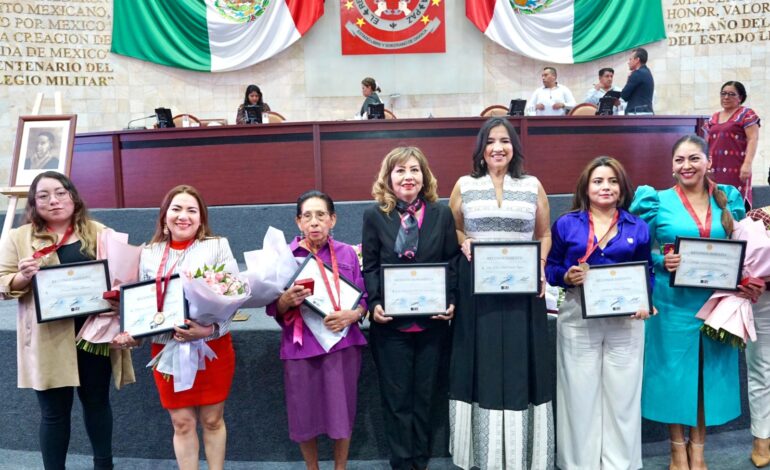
<point x="128" y="126"/>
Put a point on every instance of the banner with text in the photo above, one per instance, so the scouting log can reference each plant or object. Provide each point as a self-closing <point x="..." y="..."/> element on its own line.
<point x="392" y="26"/>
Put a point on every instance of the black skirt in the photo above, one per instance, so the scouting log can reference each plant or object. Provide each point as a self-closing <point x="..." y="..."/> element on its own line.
<point x="502" y="358"/>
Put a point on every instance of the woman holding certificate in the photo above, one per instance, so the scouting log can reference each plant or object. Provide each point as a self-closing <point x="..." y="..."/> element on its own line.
<point x="59" y="231"/>
<point x="599" y="360"/>
<point x="407" y="228"/>
<point x="321" y="355"/>
<point x="500" y="371"/>
<point x="183" y="243"/>
<point x="689" y="379"/>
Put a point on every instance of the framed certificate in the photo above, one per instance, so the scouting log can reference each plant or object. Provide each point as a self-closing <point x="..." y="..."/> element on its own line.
<point x="139" y="314"/>
<point x="709" y="263"/>
<point x="414" y="289"/>
<point x="350" y="295"/>
<point x="505" y="267"/>
<point x="71" y="290"/>
<point x="615" y="290"/>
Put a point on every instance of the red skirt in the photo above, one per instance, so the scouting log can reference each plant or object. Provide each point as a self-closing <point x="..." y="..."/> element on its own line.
<point x="211" y="386"/>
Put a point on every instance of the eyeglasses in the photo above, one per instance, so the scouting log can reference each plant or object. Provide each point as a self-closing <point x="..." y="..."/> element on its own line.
<point x="728" y="93"/>
<point x="59" y="194"/>
<point x="320" y="215"/>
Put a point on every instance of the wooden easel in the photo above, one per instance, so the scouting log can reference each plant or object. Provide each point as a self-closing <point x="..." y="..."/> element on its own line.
<point x="15" y="192"/>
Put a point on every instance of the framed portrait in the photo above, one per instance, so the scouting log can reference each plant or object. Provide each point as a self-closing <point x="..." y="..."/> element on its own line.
<point x="43" y="143"/>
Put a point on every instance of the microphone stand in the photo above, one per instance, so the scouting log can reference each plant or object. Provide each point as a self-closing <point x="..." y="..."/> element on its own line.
<point x="128" y="126"/>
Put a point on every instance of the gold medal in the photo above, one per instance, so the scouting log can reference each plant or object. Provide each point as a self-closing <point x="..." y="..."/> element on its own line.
<point x="159" y="318"/>
<point x="584" y="267"/>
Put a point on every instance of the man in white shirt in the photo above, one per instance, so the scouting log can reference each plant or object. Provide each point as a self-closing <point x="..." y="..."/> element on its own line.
<point x="552" y="99"/>
<point x="602" y="87"/>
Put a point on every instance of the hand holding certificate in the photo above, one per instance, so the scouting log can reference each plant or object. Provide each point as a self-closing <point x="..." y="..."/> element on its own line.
<point x="320" y="300"/>
<point x="414" y="289"/>
<point x="139" y="315"/>
<point x="708" y="263"/>
<point x="613" y="290"/>
<point x="70" y="290"/>
<point x="506" y="267"/>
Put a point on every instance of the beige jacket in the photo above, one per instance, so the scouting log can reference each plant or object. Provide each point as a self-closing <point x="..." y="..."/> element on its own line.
<point x="46" y="353"/>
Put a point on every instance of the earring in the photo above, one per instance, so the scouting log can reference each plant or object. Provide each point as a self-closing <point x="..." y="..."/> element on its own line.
<point x="165" y="230"/>
<point x="483" y="163"/>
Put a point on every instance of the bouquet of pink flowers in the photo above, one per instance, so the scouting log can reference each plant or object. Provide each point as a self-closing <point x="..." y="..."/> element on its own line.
<point x="220" y="281"/>
<point x="213" y="294"/>
<point x="727" y="317"/>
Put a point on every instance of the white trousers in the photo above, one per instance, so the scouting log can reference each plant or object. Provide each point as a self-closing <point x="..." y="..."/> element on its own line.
<point x="758" y="370"/>
<point x="598" y="390"/>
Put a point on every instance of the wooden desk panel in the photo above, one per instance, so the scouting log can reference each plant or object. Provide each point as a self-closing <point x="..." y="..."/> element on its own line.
<point x="94" y="172"/>
<point x="274" y="163"/>
<point x="557" y="151"/>
<point x="352" y="154"/>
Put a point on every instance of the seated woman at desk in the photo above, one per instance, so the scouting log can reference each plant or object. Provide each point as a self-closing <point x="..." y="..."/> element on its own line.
<point x="252" y="97"/>
<point x="369" y="89"/>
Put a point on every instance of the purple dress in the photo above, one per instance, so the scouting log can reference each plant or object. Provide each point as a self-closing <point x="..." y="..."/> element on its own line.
<point x="321" y="388"/>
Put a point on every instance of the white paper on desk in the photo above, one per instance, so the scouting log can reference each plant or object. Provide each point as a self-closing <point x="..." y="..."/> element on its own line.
<point x="268" y="270"/>
<point x="325" y="337"/>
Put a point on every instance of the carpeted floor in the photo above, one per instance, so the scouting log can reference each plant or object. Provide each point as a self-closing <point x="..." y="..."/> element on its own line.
<point x="724" y="451"/>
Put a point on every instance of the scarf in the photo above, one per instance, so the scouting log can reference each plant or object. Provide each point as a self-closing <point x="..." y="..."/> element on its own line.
<point x="409" y="231"/>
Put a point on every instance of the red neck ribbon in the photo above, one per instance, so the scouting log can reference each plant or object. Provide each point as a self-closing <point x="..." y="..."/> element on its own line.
<point x="335" y="275"/>
<point x="591" y="245"/>
<point x="161" y="280"/>
<point x="703" y="229"/>
<point x="51" y="248"/>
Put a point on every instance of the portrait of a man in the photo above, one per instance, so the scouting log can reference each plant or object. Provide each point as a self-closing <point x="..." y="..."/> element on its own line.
<point x="42" y="143"/>
<point x="43" y="151"/>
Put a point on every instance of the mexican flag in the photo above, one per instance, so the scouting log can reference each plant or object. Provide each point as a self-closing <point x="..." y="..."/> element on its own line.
<point x="210" y="35"/>
<point x="568" y="31"/>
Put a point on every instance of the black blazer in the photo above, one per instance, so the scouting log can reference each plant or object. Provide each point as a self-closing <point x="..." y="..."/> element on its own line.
<point x="638" y="91"/>
<point x="437" y="244"/>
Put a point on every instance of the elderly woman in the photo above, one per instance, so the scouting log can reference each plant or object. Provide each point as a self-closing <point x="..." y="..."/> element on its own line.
<point x="598" y="360"/>
<point x="689" y="380"/>
<point x="500" y="370"/>
<point x="59" y="231"/>
<point x="369" y="89"/>
<point x="733" y="134"/>
<point x="253" y="97"/>
<point x="321" y="382"/>
<point x="183" y="243"/>
<point x="407" y="225"/>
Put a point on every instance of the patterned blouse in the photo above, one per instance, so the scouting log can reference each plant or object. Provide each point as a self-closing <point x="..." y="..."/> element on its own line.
<point x="514" y="219"/>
